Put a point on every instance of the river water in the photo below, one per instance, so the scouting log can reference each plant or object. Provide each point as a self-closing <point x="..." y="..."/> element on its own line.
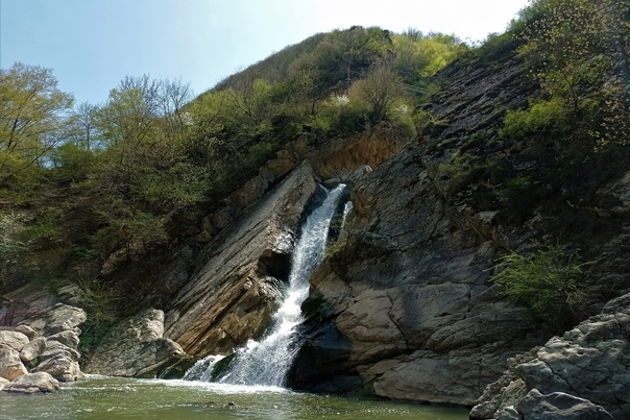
<point x="123" y="398"/>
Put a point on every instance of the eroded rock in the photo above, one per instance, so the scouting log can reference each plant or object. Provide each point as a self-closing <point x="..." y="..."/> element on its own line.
<point x="66" y="337"/>
<point x="234" y="294"/>
<point x="33" y="349"/>
<point x="32" y="383"/>
<point x="589" y="362"/>
<point x="61" y="361"/>
<point x="135" y="347"/>
<point x="14" y="339"/>
<point x="11" y="366"/>
<point x="558" y="405"/>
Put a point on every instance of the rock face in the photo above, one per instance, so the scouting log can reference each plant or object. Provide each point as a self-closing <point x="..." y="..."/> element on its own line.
<point x="135" y="347"/>
<point x="32" y="383"/>
<point x="402" y="303"/>
<point x="588" y="363"/>
<point x="232" y="297"/>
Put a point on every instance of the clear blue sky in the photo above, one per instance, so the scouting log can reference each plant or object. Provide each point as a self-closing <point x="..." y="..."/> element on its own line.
<point x="91" y="45"/>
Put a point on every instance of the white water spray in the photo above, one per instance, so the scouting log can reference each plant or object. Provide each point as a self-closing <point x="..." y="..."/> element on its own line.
<point x="268" y="361"/>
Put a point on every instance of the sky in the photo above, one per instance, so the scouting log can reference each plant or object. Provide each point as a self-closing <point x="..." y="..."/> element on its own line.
<point x="91" y="45"/>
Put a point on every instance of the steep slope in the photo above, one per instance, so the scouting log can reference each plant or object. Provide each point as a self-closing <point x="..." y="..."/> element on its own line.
<point x="403" y="307"/>
<point x="404" y="302"/>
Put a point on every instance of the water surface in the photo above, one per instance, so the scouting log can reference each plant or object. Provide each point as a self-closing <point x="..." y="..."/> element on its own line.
<point x="122" y="398"/>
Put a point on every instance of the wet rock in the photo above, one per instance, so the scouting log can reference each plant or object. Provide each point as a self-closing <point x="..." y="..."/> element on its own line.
<point x="4" y="382"/>
<point x="33" y="349"/>
<point x="135" y="347"/>
<point x="32" y="383"/>
<point x="11" y="366"/>
<point x="331" y="182"/>
<point x="411" y="294"/>
<point x="14" y="339"/>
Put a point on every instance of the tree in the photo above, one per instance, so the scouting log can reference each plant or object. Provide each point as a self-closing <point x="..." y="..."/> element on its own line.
<point x="86" y="118"/>
<point x="32" y="111"/>
<point x="576" y="49"/>
<point x="378" y="90"/>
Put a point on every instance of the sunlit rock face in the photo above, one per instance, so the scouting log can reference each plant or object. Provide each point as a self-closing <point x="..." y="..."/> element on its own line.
<point x="233" y="296"/>
<point x="135" y="347"/>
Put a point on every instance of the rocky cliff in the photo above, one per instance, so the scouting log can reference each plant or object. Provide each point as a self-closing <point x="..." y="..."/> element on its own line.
<point x="402" y="302"/>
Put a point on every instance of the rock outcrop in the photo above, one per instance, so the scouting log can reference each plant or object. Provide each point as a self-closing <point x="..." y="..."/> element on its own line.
<point x="40" y="334"/>
<point x="584" y="371"/>
<point x="402" y="306"/>
<point x="403" y="302"/>
<point x="232" y="297"/>
<point x="135" y="347"/>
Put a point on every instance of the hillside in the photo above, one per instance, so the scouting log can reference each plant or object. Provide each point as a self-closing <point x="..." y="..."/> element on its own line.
<point x="485" y="210"/>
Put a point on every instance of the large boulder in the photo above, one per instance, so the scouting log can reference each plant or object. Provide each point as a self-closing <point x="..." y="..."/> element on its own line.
<point x="234" y="293"/>
<point x="11" y="366"/>
<point x="33" y="383"/>
<point x="33" y="349"/>
<point x="63" y="317"/>
<point x="26" y="330"/>
<point x="558" y="405"/>
<point x="14" y="339"/>
<point x="589" y="362"/>
<point x="66" y="337"/>
<point x="61" y="361"/>
<point x="135" y="347"/>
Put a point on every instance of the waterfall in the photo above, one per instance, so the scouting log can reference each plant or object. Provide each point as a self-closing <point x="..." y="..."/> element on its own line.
<point x="266" y="362"/>
<point x="346" y="209"/>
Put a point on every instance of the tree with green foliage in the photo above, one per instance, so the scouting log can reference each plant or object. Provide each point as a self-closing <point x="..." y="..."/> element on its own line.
<point x="32" y="111"/>
<point x="576" y="49"/>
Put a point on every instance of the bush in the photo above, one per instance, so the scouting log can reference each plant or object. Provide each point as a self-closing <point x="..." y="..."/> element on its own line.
<point x="542" y="117"/>
<point x="549" y="281"/>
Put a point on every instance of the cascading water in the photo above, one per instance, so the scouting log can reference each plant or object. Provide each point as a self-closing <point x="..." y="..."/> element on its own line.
<point x="267" y="362"/>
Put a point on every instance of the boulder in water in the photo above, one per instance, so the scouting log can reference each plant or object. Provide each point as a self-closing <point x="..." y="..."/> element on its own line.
<point x="32" y="383"/>
<point x="135" y="347"/>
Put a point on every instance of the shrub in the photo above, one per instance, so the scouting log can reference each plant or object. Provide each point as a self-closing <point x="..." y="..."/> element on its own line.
<point x="541" y="117"/>
<point x="45" y="227"/>
<point x="549" y="281"/>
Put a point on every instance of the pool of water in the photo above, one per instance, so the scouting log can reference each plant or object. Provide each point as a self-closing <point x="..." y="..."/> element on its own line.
<point x="120" y="398"/>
